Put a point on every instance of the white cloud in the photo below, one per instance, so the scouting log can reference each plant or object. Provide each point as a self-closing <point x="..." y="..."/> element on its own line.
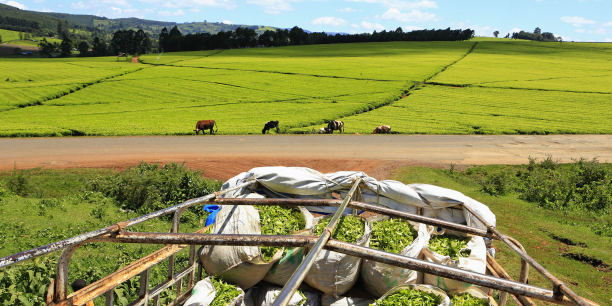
<point x="607" y="24"/>
<point x="39" y="1"/>
<point x="188" y="4"/>
<point x="274" y="7"/>
<point x="347" y="10"/>
<point x="608" y="40"/>
<point x="168" y="13"/>
<point x="600" y="31"/>
<point x="402" y="4"/>
<point x="227" y="22"/>
<point x="195" y="10"/>
<point x="372" y="26"/>
<point x="79" y="5"/>
<point x="414" y="16"/>
<point x="116" y="10"/>
<point x="17" y="5"/>
<point x="355" y="26"/>
<point x="515" y="30"/>
<point x="411" y="28"/>
<point x="564" y="38"/>
<point x="577" y="21"/>
<point x="123" y="3"/>
<point x="483" y="31"/>
<point x="580" y="30"/>
<point x="330" y="21"/>
<point x="46" y="10"/>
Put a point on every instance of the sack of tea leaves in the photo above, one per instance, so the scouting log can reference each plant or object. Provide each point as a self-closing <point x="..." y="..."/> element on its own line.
<point x="240" y="265"/>
<point x="278" y="220"/>
<point x="265" y="295"/>
<point x="457" y="250"/>
<point x="215" y="292"/>
<point x="414" y="295"/>
<point x="394" y="236"/>
<point x="472" y="296"/>
<point x="335" y="273"/>
<point x="330" y="300"/>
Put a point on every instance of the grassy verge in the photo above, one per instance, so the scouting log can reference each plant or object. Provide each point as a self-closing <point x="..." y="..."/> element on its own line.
<point x="41" y="206"/>
<point x="549" y="236"/>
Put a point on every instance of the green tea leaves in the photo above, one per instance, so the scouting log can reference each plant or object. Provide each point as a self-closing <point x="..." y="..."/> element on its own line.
<point x="349" y="229"/>
<point x="450" y="245"/>
<point x="392" y="235"/>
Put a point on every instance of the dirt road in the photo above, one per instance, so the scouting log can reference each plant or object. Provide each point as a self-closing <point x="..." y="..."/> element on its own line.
<point x="225" y="156"/>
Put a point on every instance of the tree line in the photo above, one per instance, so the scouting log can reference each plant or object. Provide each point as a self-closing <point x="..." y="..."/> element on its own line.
<point x="247" y="38"/>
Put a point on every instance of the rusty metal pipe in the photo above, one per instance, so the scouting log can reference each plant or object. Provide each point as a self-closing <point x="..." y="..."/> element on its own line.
<point x="359" y="205"/>
<point x="29" y="254"/>
<point x="300" y="273"/>
<point x="559" y="289"/>
<point x="488" y="281"/>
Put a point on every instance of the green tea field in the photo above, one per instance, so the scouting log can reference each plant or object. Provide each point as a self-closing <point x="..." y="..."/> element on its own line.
<point x="471" y="87"/>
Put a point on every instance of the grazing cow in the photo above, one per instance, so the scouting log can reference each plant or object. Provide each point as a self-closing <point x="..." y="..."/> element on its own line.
<point x="382" y="129"/>
<point x="324" y="130"/>
<point x="270" y="125"/>
<point x="204" y="125"/>
<point x="335" y="125"/>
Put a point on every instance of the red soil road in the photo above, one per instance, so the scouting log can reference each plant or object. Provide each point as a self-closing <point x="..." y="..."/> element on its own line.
<point x="222" y="157"/>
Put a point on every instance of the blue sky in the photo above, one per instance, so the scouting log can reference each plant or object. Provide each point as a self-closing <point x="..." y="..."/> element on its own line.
<point x="574" y="20"/>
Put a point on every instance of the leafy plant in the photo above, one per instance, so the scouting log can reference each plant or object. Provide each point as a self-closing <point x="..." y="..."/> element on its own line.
<point x="278" y="220"/>
<point x="467" y="300"/>
<point x="450" y="245"/>
<point x="225" y="293"/>
<point x="392" y="235"/>
<point x="349" y="228"/>
<point x="407" y="297"/>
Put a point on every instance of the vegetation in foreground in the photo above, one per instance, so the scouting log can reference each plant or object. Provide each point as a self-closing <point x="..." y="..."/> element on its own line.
<point x="415" y="87"/>
<point x="39" y="206"/>
<point x="570" y="236"/>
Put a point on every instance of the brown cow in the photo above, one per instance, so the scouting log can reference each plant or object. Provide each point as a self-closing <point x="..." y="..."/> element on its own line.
<point x="382" y="129"/>
<point x="204" y="125"/>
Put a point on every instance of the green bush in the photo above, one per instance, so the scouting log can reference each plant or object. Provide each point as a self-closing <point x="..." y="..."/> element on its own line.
<point x="147" y="188"/>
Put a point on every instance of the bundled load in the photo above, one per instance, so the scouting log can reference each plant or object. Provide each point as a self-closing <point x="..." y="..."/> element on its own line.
<point x="414" y="295"/>
<point x="330" y="300"/>
<point x="265" y="295"/>
<point x="457" y="250"/>
<point x="215" y="292"/>
<point x="244" y="266"/>
<point x="471" y="296"/>
<point x="394" y="236"/>
<point x="335" y="273"/>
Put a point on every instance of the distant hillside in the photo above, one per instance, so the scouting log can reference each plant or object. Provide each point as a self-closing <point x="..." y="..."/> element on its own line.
<point x="12" y="18"/>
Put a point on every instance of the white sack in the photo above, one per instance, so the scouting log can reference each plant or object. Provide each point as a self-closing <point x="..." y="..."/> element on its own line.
<point x="431" y="289"/>
<point x="330" y="300"/>
<point x="204" y="293"/>
<point x="240" y="265"/>
<point x="476" y="262"/>
<point x="475" y="292"/>
<point x="335" y="273"/>
<point x="264" y="295"/>
<point x="282" y="270"/>
<point x="379" y="278"/>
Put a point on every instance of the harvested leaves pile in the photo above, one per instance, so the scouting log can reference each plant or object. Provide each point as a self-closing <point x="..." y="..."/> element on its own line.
<point x="349" y="229"/>
<point x="278" y="220"/>
<point x="225" y="293"/>
<point x="450" y="245"/>
<point x="392" y="235"/>
<point x="407" y="297"/>
<point x="467" y="300"/>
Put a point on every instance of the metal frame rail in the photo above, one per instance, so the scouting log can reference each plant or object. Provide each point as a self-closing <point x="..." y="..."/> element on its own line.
<point x="520" y="291"/>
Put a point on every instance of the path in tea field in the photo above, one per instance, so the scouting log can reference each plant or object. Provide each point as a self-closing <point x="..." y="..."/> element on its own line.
<point x="225" y="156"/>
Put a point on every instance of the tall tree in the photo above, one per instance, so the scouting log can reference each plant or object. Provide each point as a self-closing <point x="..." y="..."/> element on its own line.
<point x="163" y="39"/>
<point x="537" y="31"/>
<point x="83" y="48"/>
<point x="496" y="33"/>
<point x="99" y="47"/>
<point x="66" y="47"/>
<point x="142" y="42"/>
<point x="46" y="47"/>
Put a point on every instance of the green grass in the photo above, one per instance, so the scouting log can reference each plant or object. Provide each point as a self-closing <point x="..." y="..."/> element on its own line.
<point x="535" y="228"/>
<point x="484" y="86"/>
<point x="12" y="37"/>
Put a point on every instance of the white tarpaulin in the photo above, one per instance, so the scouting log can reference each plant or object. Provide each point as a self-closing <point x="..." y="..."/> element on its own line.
<point x="299" y="182"/>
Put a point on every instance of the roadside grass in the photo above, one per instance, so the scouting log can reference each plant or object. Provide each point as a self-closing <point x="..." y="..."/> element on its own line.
<point x="541" y="232"/>
<point x="59" y="204"/>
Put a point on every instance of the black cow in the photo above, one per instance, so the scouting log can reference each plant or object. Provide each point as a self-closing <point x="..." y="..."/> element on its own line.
<point x="335" y="125"/>
<point x="270" y="125"/>
<point x="203" y="125"/>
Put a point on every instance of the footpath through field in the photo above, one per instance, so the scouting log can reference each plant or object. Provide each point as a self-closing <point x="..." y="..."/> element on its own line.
<point x="224" y="156"/>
